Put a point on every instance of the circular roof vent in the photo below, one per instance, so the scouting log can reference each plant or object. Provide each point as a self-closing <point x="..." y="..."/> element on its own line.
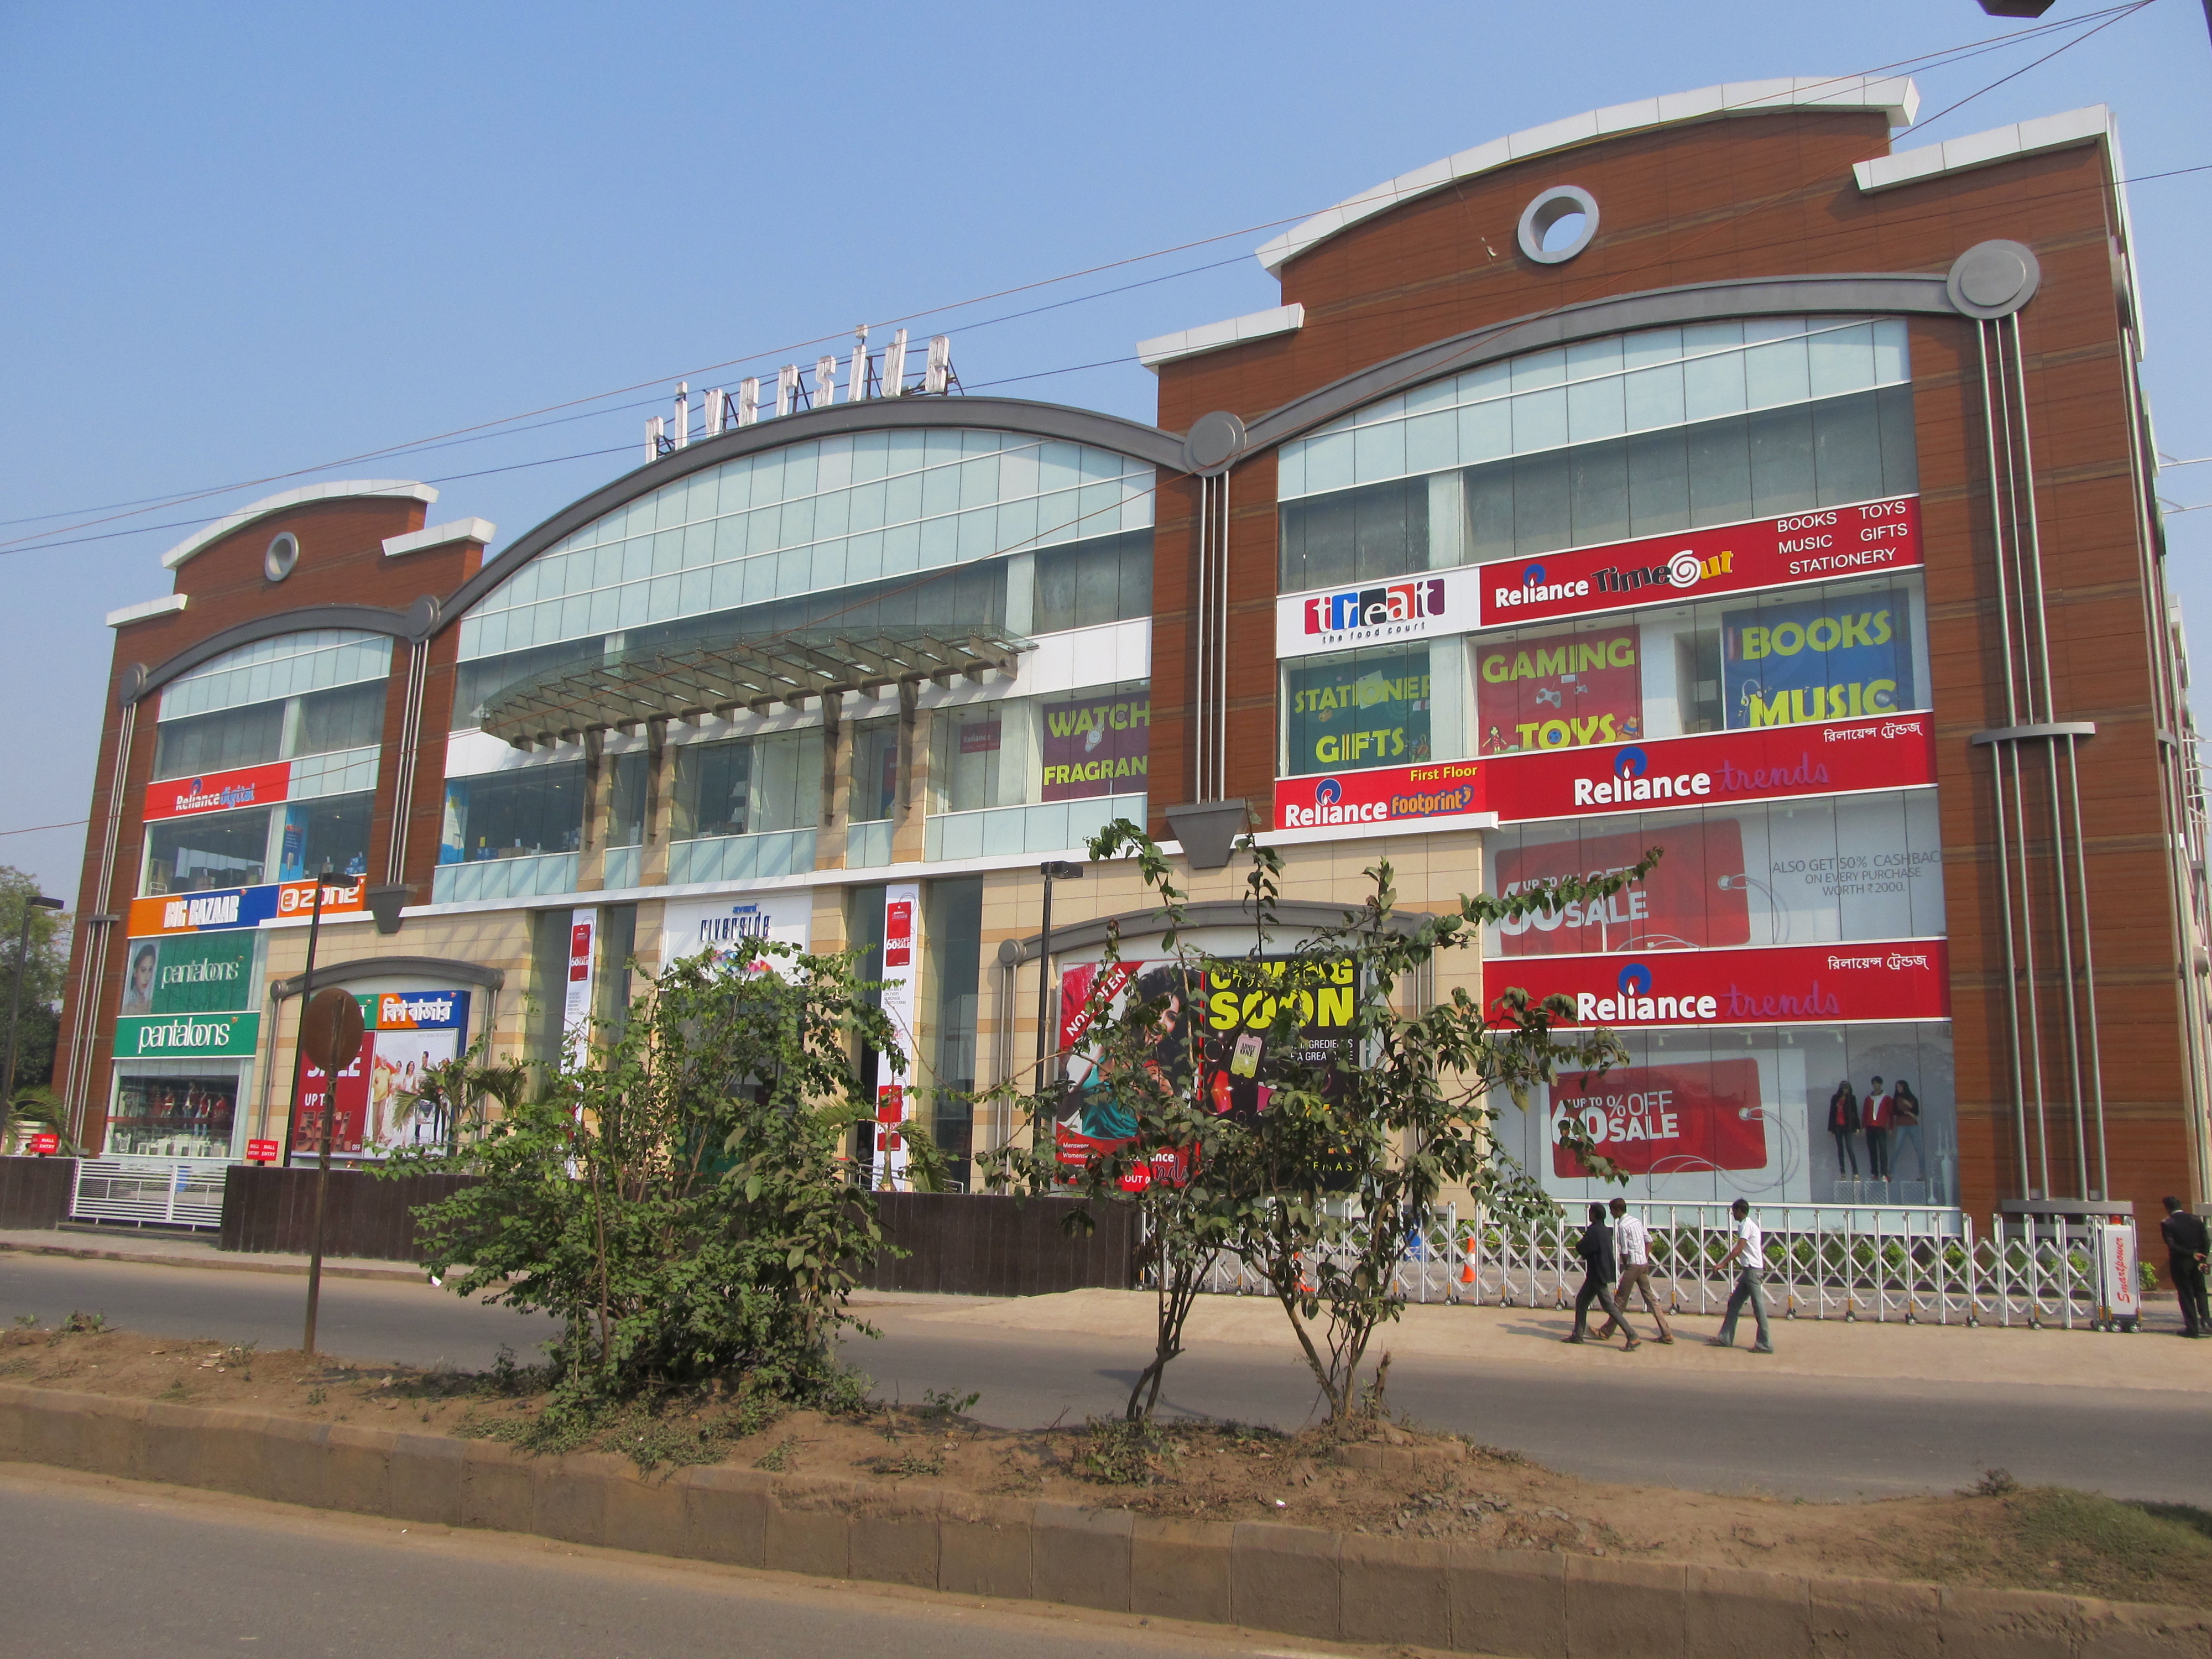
<point x="283" y="553"/>
<point x="1551" y="211"/>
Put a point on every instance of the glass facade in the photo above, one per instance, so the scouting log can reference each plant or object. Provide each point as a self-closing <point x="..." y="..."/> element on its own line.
<point x="513" y="814"/>
<point x="749" y="786"/>
<point x="1641" y="435"/>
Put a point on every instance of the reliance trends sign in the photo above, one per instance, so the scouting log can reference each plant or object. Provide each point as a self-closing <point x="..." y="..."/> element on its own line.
<point x="1381" y="613"/>
<point x="1906" y="979"/>
<point x="1798" y="547"/>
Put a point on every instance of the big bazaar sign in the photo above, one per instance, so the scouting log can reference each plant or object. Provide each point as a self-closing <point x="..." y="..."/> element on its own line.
<point x="1707" y="768"/>
<point x="241" y="906"/>
<point x="1906" y="979"/>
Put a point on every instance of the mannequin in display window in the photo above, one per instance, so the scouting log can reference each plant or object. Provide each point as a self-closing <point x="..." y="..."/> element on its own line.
<point x="1905" y="1108"/>
<point x="1844" y="1125"/>
<point x="1876" y="1115"/>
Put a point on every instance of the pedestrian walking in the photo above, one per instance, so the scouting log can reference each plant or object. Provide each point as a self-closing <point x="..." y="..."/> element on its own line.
<point x="1844" y="1125"/>
<point x="1595" y="1249"/>
<point x="1876" y="1115"/>
<point x="1631" y="1243"/>
<point x="2187" y="1245"/>
<point x="1748" y="1256"/>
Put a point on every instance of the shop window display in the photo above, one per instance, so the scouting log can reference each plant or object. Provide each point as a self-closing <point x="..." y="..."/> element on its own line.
<point x="173" y="1116"/>
<point x="515" y="814"/>
<point x="1706" y="1117"/>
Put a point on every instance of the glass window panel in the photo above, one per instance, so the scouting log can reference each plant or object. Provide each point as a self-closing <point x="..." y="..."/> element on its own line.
<point x="871" y="454"/>
<point x="1776" y="374"/>
<point x="1598" y="480"/>
<point x="1658" y="483"/>
<point x="1290" y="471"/>
<point x="332" y="833"/>
<point x="1782" y="478"/>
<point x="1713" y="386"/>
<point x="1847" y="449"/>
<point x="763" y="527"/>
<point x="901" y="549"/>
<point x="903" y="498"/>
<point x="1593" y="357"/>
<point x="1651" y="345"/>
<point x="1328" y="462"/>
<point x="1431" y="441"/>
<point x="939" y="542"/>
<point x="979" y="480"/>
<point x="976" y="533"/>
<point x="1489" y="492"/>
<point x="940" y="490"/>
<point x="1539" y="368"/>
<point x="220" y="741"/>
<point x="1539" y="420"/>
<point x="875" y="769"/>
<point x="800" y="463"/>
<point x="1018" y="472"/>
<point x="1595" y="409"/>
<point x="1889" y="365"/>
<point x="698" y="548"/>
<point x="222" y="850"/>
<point x="351" y="717"/>
<point x="1486" y="432"/>
<point x="1840" y="359"/>
<point x="1541" y="519"/>
<point x="1901" y="455"/>
<point x="833" y="469"/>
<point x="1720" y="471"/>
<point x="1379" y="452"/>
<point x="1653" y="397"/>
<point x="714" y="790"/>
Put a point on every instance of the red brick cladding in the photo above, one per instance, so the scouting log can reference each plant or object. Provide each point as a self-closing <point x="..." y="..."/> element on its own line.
<point x="1766" y="196"/>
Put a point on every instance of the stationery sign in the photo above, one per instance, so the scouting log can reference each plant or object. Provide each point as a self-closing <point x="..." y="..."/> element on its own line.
<point x="1864" y="539"/>
<point x="1826" y="984"/>
<point x="901" y="967"/>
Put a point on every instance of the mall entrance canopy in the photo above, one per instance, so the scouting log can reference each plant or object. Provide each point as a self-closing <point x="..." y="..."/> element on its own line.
<point x="693" y="684"/>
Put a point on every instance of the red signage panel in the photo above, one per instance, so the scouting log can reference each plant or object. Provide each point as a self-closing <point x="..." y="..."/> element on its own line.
<point x="1664" y="1120"/>
<point x="219" y="792"/>
<point x="1387" y="794"/>
<point x="45" y="1145"/>
<point x="1757" y="984"/>
<point x="1695" y="896"/>
<point x="1830" y="541"/>
<point x="262" y="1152"/>
<point x="1709" y="768"/>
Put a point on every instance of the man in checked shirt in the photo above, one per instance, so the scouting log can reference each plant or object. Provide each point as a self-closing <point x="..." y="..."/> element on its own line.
<point x="1632" y="1242"/>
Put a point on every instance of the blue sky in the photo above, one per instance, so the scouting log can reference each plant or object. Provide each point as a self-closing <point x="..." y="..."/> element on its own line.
<point x="244" y="241"/>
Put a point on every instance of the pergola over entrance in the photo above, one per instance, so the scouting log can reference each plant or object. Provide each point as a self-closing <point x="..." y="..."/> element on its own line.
<point x="692" y="683"/>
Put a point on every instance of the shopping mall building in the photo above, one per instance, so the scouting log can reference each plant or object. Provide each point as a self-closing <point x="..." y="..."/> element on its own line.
<point x="1706" y="474"/>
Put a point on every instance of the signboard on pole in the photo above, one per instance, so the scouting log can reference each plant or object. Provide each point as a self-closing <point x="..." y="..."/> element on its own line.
<point x="902" y="969"/>
<point x="583" y="960"/>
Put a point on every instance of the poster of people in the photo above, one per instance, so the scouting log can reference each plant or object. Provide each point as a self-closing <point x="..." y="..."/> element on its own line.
<point x="1213" y="1040"/>
<point x="378" y="1108"/>
<point x="1816" y="659"/>
<point x="188" y="974"/>
<point x="1696" y="895"/>
<point x="1560" y="690"/>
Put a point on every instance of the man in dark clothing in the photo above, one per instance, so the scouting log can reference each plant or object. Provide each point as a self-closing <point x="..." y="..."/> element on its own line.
<point x="1843" y="1124"/>
<point x="1595" y="1249"/>
<point x="2187" y="1245"/>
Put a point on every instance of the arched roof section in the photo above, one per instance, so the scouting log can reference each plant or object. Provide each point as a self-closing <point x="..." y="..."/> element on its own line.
<point x="1014" y="415"/>
<point x="1893" y="96"/>
<point x="413" y="624"/>
<point x="199" y="541"/>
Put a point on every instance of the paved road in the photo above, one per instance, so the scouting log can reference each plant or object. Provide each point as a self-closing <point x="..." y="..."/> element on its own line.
<point x="99" y="1568"/>
<point x="359" y="1319"/>
<point x="1812" y="1436"/>
<point x="1795" y="1436"/>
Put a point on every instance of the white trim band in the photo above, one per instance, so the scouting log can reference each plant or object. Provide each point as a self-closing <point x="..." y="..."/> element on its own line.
<point x="440" y="535"/>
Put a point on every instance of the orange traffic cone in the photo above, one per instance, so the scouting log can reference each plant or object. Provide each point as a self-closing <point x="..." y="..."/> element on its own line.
<point x="1467" y="1260"/>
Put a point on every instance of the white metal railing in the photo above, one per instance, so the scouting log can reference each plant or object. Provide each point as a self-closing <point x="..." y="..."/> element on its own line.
<point x="168" y="1192"/>
<point x="1908" y="1264"/>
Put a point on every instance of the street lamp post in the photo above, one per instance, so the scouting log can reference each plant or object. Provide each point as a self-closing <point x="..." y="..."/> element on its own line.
<point x="35" y="902"/>
<point x="1052" y="870"/>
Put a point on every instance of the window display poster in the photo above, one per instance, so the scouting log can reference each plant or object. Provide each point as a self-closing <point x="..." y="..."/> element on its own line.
<point x="1665" y="1120"/>
<point x="1373" y="710"/>
<point x="189" y="974"/>
<point x="397" y="1119"/>
<point x="377" y="1111"/>
<point x="1560" y="690"/>
<point x="1098" y="745"/>
<point x="1229" y="1070"/>
<point x="902" y="966"/>
<point x="1817" y="659"/>
<point x="173" y="1117"/>
<point x="1695" y="896"/>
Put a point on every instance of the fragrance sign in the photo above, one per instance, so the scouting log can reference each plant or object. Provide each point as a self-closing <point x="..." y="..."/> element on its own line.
<point x="1830" y="541"/>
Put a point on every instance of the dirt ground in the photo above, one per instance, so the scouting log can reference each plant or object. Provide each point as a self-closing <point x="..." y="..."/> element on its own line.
<point x="1386" y="1478"/>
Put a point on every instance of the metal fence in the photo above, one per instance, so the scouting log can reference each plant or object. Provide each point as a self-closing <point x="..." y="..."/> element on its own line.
<point x="152" y="1191"/>
<point x="1907" y="1264"/>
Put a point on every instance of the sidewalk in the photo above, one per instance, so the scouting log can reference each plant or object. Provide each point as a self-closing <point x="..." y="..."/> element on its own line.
<point x="159" y="1250"/>
<point x="1529" y="1338"/>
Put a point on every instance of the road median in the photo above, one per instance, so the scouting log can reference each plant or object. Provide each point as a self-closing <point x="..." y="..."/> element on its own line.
<point x="1296" y="1581"/>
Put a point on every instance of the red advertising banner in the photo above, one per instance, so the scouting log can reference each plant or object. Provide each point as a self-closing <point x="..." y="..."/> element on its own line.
<point x="1708" y="769"/>
<point x="1097" y="746"/>
<point x="1696" y="898"/>
<point x="1800" y="547"/>
<point x="1761" y="985"/>
<point x="1388" y="794"/>
<point x="219" y="792"/>
<point x="350" y="1125"/>
<point x="1558" y="690"/>
<point x="1665" y="1120"/>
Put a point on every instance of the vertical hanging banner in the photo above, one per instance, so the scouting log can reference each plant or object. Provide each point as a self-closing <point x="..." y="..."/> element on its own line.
<point x="583" y="955"/>
<point x="901" y="968"/>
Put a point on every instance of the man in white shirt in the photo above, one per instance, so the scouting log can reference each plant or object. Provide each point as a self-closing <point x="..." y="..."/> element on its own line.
<point x="1748" y="1256"/>
<point x="1631" y="1243"/>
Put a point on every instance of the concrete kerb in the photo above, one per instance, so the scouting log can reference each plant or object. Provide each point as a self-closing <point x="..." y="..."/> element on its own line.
<point x="1295" y="1580"/>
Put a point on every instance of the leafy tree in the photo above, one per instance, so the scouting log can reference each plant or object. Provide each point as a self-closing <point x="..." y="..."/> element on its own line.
<point x="1322" y="1192"/>
<point x="678" y="1198"/>
<point x="39" y="1028"/>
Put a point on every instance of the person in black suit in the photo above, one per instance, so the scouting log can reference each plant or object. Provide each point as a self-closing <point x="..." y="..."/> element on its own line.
<point x="2187" y="1246"/>
<point x="1595" y="1249"/>
<point x="1843" y="1124"/>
